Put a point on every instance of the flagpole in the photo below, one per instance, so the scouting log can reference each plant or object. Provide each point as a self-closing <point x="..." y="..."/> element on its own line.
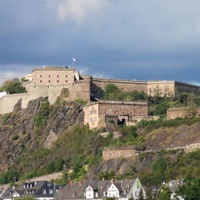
<point x="73" y="60"/>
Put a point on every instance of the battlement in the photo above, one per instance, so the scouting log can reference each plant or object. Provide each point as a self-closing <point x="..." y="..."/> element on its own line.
<point x="49" y="82"/>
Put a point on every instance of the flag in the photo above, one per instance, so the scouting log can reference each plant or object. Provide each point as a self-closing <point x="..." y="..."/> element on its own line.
<point x="74" y="60"/>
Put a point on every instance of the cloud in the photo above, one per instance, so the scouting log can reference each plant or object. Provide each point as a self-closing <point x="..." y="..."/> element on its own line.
<point x="77" y="10"/>
<point x="14" y="71"/>
<point x="111" y="38"/>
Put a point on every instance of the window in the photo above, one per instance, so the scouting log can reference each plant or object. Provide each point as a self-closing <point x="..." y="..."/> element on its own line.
<point x="91" y="119"/>
<point x="40" y="76"/>
<point x="49" y="81"/>
<point x="96" y="194"/>
<point x="127" y="154"/>
<point x="57" y="81"/>
<point x="50" y="191"/>
<point x="40" y="81"/>
<point x="49" y="76"/>
<point x="57" y="76"/>
<point x="44" y="191"/>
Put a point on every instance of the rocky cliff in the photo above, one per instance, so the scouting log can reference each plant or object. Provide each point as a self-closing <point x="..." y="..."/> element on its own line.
<point x="19" y="130"/>
<point x="48" y="130"/>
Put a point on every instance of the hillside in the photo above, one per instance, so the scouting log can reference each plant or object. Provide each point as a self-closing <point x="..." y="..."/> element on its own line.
<point x="42" y="139"/>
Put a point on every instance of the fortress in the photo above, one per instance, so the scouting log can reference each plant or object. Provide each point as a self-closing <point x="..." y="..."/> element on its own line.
<point x="50" y="82"/>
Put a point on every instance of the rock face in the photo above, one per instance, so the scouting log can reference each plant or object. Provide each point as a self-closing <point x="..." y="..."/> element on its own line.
<point x="18" y="129"/>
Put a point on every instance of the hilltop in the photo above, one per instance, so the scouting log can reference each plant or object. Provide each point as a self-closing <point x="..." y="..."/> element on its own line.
<point x="46" y="134"/>
<point x="46" y="138"/>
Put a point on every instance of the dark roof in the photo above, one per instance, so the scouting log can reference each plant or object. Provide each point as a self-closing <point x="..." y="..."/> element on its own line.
<point x="77" y="190"/>
<point x="34" y="188"/>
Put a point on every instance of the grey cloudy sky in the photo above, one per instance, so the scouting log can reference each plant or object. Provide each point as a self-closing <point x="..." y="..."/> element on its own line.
<point x="125" y="39"/>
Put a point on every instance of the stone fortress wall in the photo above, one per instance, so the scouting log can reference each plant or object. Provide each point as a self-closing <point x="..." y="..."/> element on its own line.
<point x="50" y="81"/>
<point x="117" y="153"/>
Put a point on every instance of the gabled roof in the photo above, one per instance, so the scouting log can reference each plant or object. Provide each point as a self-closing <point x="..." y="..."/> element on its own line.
<point x="77" y="190"/>
<point x="34" y="188"/>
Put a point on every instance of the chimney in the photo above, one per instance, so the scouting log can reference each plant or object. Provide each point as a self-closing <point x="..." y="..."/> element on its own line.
<point x="79" y="183"/>
<point x="111" y="181"/>
<point x="71" y="183"/>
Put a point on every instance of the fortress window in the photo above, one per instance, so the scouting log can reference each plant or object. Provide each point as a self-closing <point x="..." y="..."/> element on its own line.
<point x="49" y="81"/>
<point x="117" y="154"/>
<point x="40" y="81"/>
<point x="49" y="76"/>
<point x="40" y="76"/>
<point x="127" y="154"/>
<point x="57" y="76"/>
<point x="66" y="76"/>
<point x="65" y="81"/>
<point x="57" y="81"/>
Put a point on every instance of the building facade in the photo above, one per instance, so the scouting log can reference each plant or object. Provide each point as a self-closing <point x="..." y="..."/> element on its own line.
<point x="97" y="112"/>
<point x="50" y="82"/>
<point x="40" y="190"/>
<point x="173" y="113"/>
<point x="119" y="189"/>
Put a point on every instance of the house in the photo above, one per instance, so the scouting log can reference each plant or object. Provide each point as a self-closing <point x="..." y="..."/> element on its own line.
<point x="120" y="189"/>
<point x="101" y="113"/>
<point x="173" y="186"/>
<point x="41" y="190"/>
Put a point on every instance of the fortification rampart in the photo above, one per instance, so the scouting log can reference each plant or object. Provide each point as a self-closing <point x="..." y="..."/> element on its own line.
<point x="78" y="90"/>
<point x="8" y="102"/>
<point x="98" y="85"/>
<point x="119" y="153"/>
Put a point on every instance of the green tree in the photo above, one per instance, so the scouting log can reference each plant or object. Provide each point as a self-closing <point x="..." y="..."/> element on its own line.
<point x="27" y="198"/>
<point x="190" y="190"/>
<point x="111" y="91"/>
<point x="164" y="194"/>
<point x="12" y="86"/>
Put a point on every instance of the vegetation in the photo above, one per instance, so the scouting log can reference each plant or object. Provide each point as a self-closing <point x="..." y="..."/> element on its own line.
<point x="190" y="190"/>
<point x="27" y="198"/>
<point x="70" y="153"/>
<point x="158" y="104"/>
<point x="12" y="86"/>
<point x="112" y="92"/>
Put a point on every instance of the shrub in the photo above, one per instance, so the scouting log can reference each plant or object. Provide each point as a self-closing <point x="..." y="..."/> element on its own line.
<point x="15" y="137"/>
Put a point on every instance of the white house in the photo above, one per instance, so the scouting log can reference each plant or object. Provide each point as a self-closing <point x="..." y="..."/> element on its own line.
<point x="120" y="189"/>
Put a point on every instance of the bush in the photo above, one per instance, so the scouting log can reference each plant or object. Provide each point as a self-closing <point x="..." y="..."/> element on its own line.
<point x="15" y="137"/>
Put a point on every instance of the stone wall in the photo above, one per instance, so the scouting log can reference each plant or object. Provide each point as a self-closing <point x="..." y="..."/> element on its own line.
<point x="173" y="113"/>
<point x="185" y="87"/>
<point x="98" y="85"/>
<point x="80" y="89"/>
<point x="118" y="153"/>
<point x="151" y="88"/>
<point x="136" y="108"/>
<point x="8" y="102"/>
<point x="162" y="88"/>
